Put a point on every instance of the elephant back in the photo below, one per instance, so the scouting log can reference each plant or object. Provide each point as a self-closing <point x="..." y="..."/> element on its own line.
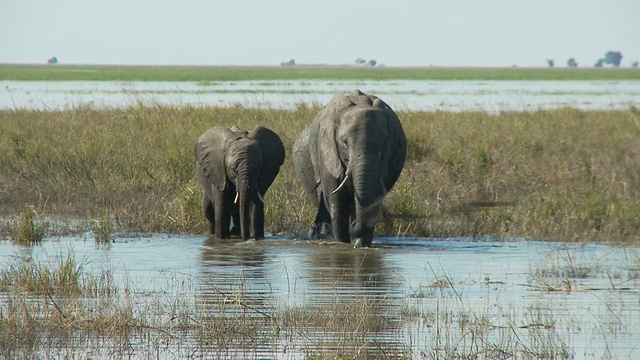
<point x="341" y="103"/>
<point x="238" y="130"/>
<point x="358" y="98"/>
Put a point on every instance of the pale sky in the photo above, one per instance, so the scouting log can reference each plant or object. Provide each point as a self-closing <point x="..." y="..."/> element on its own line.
<point x="268" y="32"/>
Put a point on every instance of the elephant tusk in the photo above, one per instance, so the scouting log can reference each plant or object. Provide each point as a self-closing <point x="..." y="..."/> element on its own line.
<point x="341" y="184"/>
<point x="235" y="201"/>
<point x="384" y="189"/>
<point x="260" y="197"/>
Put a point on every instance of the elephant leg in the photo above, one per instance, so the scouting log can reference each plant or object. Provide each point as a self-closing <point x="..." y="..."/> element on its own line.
<point x="224" y="208"/>
<point x="257" y="220"/>
<point x="363" y="222"/>
<point x="322" y="218"/>
<point x="209" y="213"/>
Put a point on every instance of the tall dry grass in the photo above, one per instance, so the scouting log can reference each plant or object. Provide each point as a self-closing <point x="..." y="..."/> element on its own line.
<point x="551" y="174"/>
<point x="563" y="174"/>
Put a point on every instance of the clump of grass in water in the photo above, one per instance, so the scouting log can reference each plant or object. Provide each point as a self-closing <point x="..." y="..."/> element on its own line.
<point x="42" y="279"/>
<point x="101" y="227"/>
<point x="27" y="229"/>
<point x="43" y="301"/>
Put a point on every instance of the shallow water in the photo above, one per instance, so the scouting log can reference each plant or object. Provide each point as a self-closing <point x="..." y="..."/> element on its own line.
<point x="491" y="96"/>
<point x="584" y="298"/>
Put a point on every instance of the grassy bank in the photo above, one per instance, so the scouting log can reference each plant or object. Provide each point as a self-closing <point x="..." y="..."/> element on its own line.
<point x="561" y="174"/>
<point x="241" y="73"/>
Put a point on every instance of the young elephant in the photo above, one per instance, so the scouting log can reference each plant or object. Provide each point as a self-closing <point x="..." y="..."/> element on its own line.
<point x="348" y="159"/>
<point x="235" y="169"/>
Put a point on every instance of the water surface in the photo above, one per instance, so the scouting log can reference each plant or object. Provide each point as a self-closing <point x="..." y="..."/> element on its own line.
<point x="491" y="96"/>
<point x="584" y="297"/>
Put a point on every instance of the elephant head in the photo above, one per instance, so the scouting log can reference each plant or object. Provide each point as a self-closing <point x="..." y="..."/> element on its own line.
<point x="235" y="169"/>
<point x="348" y="159"/>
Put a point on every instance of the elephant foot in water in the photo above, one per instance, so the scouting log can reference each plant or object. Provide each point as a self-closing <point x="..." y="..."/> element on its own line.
<point x="361" y="236"/>
<point x="361" y="243"/>
<point x="316" y="232"/>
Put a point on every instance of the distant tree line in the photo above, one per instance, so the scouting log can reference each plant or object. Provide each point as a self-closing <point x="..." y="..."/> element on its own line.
<point x="291" y="62"/>
<point x="359" y="62"/>
<point x="612" y="58"/>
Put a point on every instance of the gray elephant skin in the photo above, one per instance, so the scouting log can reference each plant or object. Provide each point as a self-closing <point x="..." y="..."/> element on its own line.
<point x="348" y="159"/>
<point x="236" y="168"/>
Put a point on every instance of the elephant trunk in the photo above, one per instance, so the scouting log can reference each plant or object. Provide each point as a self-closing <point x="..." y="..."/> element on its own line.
<point x="245" y="185"/>
<point x="250" y="207"/>
<point x="244" y="205"/>
<point x="369" y="193"/>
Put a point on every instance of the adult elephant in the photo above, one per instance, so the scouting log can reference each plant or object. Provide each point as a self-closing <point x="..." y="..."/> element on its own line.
<point x="348" y="159"/>
<point x="235" y="169"/>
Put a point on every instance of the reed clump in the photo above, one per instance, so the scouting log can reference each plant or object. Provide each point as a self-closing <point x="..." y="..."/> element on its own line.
<point x="101" y="227"/>
<point x="59" y="277"/>
<point x="561" y="174"/>
<point x="28" y="227"/>
<point x="57" y="301"/>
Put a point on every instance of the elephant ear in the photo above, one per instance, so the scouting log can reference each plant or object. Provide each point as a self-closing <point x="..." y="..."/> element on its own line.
<point x="273" y="154"/>
<point x="210" y="151"/>
<point x="397" y="147"/>
<point x="328" y="122"/>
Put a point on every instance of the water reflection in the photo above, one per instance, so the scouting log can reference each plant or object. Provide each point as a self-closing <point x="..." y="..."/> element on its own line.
<point x="340" y="268"/>
<point x="231" y="252"/>
<point x="362" y="284"/>
<point x="317" y="284"/>
<point x="230" y="267"/>
<point x="283" y="297"/>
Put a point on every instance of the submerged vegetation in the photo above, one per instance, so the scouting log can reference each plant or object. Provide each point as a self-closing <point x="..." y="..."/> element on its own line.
<point x="65" y="307"/>
<point x="60" y="307"/>
<point x="551" y="174"/>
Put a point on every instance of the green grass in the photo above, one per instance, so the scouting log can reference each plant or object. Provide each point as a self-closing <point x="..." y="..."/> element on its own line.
<point x="346" y="72"/>
<point x="551" y="174"/>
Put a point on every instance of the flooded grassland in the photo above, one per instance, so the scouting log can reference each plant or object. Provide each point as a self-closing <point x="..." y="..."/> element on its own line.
<point x="104" y="252"/>
<point x="413" y="95"/>
<point x="189" y="296"/>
